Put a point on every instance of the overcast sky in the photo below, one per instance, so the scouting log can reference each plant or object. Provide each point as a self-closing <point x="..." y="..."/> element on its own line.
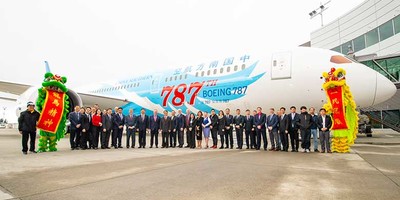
<point x="94" y="40"/>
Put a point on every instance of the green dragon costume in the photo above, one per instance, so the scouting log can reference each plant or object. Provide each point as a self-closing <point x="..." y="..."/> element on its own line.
<point x="53" y="105"/>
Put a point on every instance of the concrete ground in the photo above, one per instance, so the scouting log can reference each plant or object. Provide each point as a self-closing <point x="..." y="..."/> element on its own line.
<point x="371" y="171"/>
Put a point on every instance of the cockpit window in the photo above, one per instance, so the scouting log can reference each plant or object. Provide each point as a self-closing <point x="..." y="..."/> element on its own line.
<point x="340" y="59"/>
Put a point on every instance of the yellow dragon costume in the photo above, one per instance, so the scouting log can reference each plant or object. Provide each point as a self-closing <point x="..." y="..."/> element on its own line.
<point x="342" y="108"/>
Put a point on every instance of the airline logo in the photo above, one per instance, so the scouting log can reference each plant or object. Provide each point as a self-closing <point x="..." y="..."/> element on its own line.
<point x="201" y="87"/>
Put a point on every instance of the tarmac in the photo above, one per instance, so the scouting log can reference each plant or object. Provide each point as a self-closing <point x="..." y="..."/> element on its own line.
<point x="370" y="171"/>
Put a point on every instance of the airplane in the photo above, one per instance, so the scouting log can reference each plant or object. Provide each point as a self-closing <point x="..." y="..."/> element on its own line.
<point x="280" y="79"/>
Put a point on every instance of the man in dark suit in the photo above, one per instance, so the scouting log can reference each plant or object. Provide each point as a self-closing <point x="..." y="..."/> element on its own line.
<point x="284" y="128"/>
<point x="154" y="125"/>
<point x="118" y="126"/>
<point x="180" y="124"/>
<point x="259" y="121"/>
<point x="238" y="122"/>
<point x="172" y="135"/>
<point x="165" y="126"/>
<point x="249" y="128"/>
<point x="305" y="121"/>
<point x="214" y="128"/>
<point x="228" y="129"/>
<point x="142" y="125"/>
<point x="294" y="129"/>
<point x="324" y="124"/>
<point x="107" y="125"/>
<point x="85" y="128"/>
<point x="130" y="123"/>
<point x="187" y="123"/>
<point x="75" y="119"/>
<point x="272" y="125"/>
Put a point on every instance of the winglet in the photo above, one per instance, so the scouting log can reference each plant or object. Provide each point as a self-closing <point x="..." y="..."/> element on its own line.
<point x="47" y="66"/>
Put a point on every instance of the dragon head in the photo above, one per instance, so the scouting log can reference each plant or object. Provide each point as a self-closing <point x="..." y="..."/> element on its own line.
<point x="54" y="82"/>
<point x="334" y="78"/>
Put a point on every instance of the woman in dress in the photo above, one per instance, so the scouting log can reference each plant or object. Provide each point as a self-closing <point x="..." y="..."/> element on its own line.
<point x="199" y="129"/>
<point x="192" y="130"/>
<point x="96" y="129"/>
<point x="206" y="128"/>
<point x="221" y="127"/>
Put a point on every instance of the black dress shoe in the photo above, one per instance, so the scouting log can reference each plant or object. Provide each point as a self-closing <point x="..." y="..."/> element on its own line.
<point x="33" y="151"/>
<point x="120" y="147"/>
<point x="102" y="147"/>
<point x="116" y="147"/>
<point x="140" y="147"/>
<point x="247" y="148"/>
<point x="187" y="146"/>
<point x="156" y="146"/>
<point x="257" y="149"/>
<point x="24" y="152"/>
<point x="237" y="147"/>
<point x="108" y="148"/>
<point x="293" y="150"/>
<point x="127" y="147"/>
<point x="132" y="147"/>
<point x="151" y="147"/>
<point x="221" y="148"/>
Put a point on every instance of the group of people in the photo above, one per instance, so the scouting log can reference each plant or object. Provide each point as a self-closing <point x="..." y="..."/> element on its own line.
<point x="91" y="126"/>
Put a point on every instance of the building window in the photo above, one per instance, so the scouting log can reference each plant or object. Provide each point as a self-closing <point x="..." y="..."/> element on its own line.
<point x="176" y="77"/>
<point x="337" y="49"/>
<point x="235" y="68"/>
<point x="386" y="30"/>
<point x="228" y="69"/>
<point x="243" y="66"/>
<point x="208" y="73"/>
<point x="166" y="79"/>
<point x="197" y="74"/>
<point x="396" y="22"/>
<point x="346" y="47"/>
<point x="185" y="76"/>
<point x="180" y="77"/>
<point x="359" y="43"/>
<point x="202" y="73"/>
<point x="170" y="78"/>
<point x="221" y="70"/>
<point x="215" y="71"/>
<point x="371" y="37"/>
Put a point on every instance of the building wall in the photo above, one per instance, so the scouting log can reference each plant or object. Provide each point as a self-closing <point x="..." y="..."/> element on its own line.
<point x="359" y="27"/>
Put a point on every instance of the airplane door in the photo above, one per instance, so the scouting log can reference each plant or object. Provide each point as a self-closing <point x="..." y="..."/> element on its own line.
<point x="155" y="84"/>
<point x="281" y="66"/>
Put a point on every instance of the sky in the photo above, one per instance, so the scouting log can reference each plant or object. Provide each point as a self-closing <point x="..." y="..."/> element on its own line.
<point x="96" y="40"/>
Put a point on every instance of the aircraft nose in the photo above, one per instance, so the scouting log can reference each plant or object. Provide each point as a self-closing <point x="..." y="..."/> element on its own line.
<point x="385" y="89"/>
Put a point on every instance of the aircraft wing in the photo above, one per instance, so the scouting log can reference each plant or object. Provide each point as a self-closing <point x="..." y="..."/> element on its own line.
<point x="12" y="88"/>
<point x="103" y="101"/>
